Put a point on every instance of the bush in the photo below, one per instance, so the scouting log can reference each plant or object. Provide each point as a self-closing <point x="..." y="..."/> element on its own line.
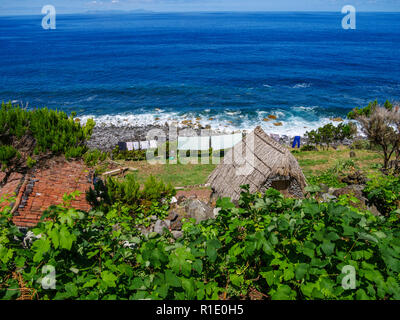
<point x="308" y="148"/>
<point x="329" y="134"/>
<point x="133" y="155"/>
<point x="30" y="162"/>
<point x="93" y="157"/>
<point x="52" y="130"/>
<point x="384" y="193"/>
<point x="7" y="153"/>
<point x="368" y="110"/>
<point x="360" y="144"/>
<point x="128" y="193"/>
<point x="328" y="178"/>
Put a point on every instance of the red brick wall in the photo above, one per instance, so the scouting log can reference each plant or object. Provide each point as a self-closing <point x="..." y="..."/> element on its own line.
<point x="46" y="187"/>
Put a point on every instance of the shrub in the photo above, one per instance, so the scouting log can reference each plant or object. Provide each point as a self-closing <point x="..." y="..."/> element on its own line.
<point x="328" y="134"/>
<point x="328" y="178"/>
<point x="133" y="155"/>
<point x="384" y="193"/>
<point x="360" y="144"/>
<point x="308" y="148"/>
<point x="30" y="162"/>
<point x="7" y="153"/>
<point x="343" y="165"/>
<point x="368" y="110"/>
<point x="93" y="157"/>
<point x="52" y="130"/>
<point x="382" y="127"/>
<point x="128" y="193"/>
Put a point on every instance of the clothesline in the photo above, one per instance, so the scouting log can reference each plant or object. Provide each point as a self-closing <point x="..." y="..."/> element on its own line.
<point x="137" y="145"/>
<point x="201" y="143"/>
<point x="196" y="143"/>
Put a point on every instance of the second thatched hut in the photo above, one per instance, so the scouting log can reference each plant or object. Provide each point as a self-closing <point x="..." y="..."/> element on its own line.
<point x="260" y="162"/>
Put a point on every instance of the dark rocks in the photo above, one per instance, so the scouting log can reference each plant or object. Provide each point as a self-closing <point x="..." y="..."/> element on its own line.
<point x="354" y="178"/>
<point x="181" y="199"/>
<point x="177" y="225"/>
<point x="173" y="216"/>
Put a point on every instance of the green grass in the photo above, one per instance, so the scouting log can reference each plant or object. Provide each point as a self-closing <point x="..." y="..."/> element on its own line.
<point x="311" y="162"/>
<point x="179" y="175"/>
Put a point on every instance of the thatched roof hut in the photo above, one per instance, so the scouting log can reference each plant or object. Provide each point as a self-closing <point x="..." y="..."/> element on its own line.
<point x="260" y="162"/>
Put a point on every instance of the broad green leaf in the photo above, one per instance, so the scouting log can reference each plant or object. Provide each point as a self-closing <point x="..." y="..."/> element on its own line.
<point x="328" y="247"/>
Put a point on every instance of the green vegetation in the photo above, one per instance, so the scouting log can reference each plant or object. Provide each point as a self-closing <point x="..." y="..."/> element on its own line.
<point x="52" y="131"/>
<point x="367" y="111"/>
<point x="7" y="153"/>
<point x="279" y="248"/>
<point x="361" y="145"/>
<point x="30" y="162"/>
<point x="331" y="177"/>
<point x="127" y="195"/>
<point x="265" y="247"/>
<point x="384" y="193"/>
<point x="134" y="155"/>
<point x="329" y="134"/>
<point x="94" y="157"/>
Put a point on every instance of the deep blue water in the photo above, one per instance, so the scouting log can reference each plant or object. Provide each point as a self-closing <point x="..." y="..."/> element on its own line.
<point x="302" y="67"/>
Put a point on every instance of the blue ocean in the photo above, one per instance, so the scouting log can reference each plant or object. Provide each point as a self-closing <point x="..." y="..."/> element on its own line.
<point x="229" y="70"/>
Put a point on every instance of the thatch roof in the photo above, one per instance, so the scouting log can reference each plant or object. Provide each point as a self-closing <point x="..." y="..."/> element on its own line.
<point x="253" y="161"/>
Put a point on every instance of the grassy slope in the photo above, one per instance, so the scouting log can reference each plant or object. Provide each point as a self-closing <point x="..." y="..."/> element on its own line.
<point x="312" y="162"/>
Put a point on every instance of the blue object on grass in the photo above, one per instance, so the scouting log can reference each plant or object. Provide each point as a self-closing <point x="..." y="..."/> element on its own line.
<point x="296" y="141"/>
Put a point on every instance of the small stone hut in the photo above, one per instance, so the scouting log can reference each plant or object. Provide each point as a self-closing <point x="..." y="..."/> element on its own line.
<point x="260" y="162"/>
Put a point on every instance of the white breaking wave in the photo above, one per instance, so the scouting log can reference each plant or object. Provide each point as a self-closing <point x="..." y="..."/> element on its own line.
<point x="289" y="124"/>
<point x="302" y="85"/>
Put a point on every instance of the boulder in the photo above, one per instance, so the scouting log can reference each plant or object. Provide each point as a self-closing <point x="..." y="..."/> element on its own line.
<point x="216" y="211"/>
<point x="173" y="216"/>
<point x="161" y="225"/>
<point x="327" y="197"/>
<point x="198" y="210"/>
<point x="354" y="178"/>
<point x="176" y="225"/>
<point x="177" y="234"/>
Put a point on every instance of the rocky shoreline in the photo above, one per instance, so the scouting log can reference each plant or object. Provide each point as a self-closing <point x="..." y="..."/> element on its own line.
<point x="106" y="137"/>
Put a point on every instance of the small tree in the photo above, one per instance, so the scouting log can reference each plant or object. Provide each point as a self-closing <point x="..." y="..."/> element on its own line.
<point x="382" y="128"/>
<point x="329" y="134"/>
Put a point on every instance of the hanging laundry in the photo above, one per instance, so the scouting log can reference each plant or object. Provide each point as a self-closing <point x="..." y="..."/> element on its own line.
<point x="144" y="145"/>
<point x="129" y="146"/>
<point x="122" y="146"/>
<point x="296" y="141"/>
